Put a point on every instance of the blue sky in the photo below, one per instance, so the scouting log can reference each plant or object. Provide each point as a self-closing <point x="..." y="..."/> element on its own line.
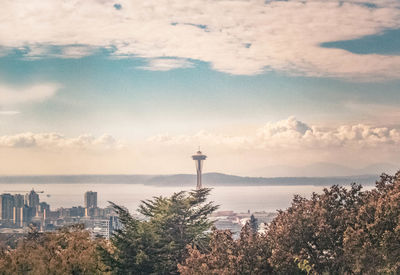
<point x="387" y="43"/>
<point x="96" y="89"/>
<point x="133" y="77"/>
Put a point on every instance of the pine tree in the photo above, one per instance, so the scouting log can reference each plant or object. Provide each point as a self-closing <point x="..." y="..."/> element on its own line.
<point x="157" y="244"/>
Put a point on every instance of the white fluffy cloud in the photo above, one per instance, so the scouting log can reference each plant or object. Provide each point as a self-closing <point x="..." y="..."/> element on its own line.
<point x="291" y="133"/>
<point x="55" y="141"/>
<point x="166" y="64"/>
<point x="36" y="93"/>
<point x="237" y="37"/>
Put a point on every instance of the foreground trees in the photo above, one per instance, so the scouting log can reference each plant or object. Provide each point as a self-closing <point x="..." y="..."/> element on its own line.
<point x="341" y="231"/>
<point x="372" y="242"/>
<point x="313" y="230"/>
<point x="158" y="244"/>
<point x="247" y="255"/>
<point x="67" y="251"/>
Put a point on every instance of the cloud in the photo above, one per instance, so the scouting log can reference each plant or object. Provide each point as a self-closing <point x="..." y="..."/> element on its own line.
<point x="236" y="37"/>
<point x="76" y="51"/>
<point x="166" y="64"/>
<point x="17" y="95"/>
<point x="294" y="134"/>
<point x="55" y="141"/>
<point x="9" y="113"/>
<point x="35" y="52"/>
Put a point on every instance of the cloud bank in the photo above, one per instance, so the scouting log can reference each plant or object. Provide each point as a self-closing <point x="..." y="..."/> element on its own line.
<point x="55" y="141"/>
<point x="288" y="142"/>
<point x="237" y="37"/>
<point x="294" y="134"/>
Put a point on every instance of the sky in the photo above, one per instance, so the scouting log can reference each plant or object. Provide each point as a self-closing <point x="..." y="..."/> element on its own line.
<point x="135" y="87"/>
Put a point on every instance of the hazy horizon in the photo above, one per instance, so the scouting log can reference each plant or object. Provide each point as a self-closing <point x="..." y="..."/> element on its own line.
<point x="314" y="170"/>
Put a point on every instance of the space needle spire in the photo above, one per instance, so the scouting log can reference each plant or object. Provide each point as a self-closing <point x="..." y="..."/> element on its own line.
<point x="199" y="159"/>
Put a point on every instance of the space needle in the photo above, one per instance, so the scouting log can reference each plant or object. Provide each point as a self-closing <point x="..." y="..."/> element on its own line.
<point x="198" y="159"/>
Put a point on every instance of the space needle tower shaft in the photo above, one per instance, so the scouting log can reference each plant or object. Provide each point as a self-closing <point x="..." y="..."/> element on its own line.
<point x="199" y="159"/>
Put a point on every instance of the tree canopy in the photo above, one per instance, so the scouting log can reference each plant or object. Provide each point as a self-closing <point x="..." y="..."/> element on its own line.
<point x="157" y="244"/>
<point x="247" y="255"/>
<point x="70" y="250"/>
<point x="372" y="242"/>
<point x="343" y="230"/>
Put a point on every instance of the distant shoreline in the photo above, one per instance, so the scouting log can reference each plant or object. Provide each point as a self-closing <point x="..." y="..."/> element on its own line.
<point x="211" y="179"/>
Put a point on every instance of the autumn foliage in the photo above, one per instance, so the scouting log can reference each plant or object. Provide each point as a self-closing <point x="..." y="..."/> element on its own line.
<point x="372" y="243"/>
<point x="340" y="231"/>
<point x="67" y="251"/>
<point x="246" y="255"/>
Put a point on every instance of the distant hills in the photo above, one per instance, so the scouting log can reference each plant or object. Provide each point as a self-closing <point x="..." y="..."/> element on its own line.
<point x="218" y="179"/>
<point x="324" y="169"/>
<point x="209" y="179"/>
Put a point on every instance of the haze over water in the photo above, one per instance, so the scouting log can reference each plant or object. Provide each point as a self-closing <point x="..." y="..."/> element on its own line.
<point x="237" y="198"/>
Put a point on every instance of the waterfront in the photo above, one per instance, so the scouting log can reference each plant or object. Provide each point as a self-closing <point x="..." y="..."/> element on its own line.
<point x="236" y="198"/>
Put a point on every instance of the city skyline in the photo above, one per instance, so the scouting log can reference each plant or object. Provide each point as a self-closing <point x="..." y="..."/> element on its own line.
<point x="19" y="214"/>
<point x="127" y="87"/>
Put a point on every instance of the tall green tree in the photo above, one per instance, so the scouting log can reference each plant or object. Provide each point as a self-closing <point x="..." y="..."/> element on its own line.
<point x="157" y="244"/>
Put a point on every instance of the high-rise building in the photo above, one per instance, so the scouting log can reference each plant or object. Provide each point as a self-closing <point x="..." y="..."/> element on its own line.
<point x="7" y="207"/>
<point x="19" y="210"/>
<point x="199" y="159"/>
<point x="102" y="227"/>
<point x="32" y="199"/>
<point x="44" y="206"/>
<point x="20" y="215"/>
<point x="18" y="200"/>
<point x="90" y="199"/>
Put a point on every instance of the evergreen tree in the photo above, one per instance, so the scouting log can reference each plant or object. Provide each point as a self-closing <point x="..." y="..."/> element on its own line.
<point x="158" y="244"/>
